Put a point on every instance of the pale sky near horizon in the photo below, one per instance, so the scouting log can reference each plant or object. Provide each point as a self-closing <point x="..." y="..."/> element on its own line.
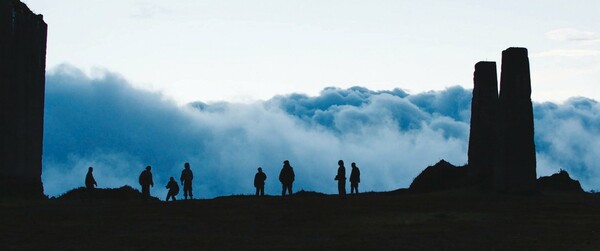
<point x="247" y="50"/>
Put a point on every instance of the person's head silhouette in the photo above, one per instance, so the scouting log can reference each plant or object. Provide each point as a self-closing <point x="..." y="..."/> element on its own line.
<point x="148" y="168"/>
<point x="90" y="169"/>
<point x="353" y="164"/>
<point x="187" y="165"/>
<point x="341" y="162"/>
<point x="260" y="169"/>
<point x="286" y="162"/>
<point x="172" y="179"/>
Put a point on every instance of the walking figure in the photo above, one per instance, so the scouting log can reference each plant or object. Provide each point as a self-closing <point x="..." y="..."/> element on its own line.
<point x="173" y="189"/>
<point x="341" y="178"/>
<point x="90" y="183"/>
<point x="186" y="181"/>
<point x="146" y="182"/>
<point x="259" y="182"/>
<point x="286" y="177"/>
<point x="354" y="178"/>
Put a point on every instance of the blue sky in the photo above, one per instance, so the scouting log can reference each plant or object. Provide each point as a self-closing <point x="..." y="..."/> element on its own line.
<point x="232" y="85"/>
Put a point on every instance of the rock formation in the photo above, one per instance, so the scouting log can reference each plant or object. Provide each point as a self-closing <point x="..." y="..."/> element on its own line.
<point x="439" y="177"/>
<point x="559" y="182"/>
<point x="515" y="169"/>
<point x="482" y="140"/>
<point x="22" y="86"/>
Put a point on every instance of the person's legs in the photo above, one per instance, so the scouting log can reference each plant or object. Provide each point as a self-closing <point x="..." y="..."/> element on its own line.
<point x="146" y="192"/>
<point x="283" y="187"/>
<point x="262" y="191"/>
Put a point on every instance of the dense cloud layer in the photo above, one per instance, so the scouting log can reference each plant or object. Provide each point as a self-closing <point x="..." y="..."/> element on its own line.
<point x="106" y="123"/>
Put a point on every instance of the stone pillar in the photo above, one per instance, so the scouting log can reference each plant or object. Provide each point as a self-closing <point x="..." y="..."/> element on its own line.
<point x="515" y="169"/>
<point x="482" y="137"/>
<point x="22" y="88"/>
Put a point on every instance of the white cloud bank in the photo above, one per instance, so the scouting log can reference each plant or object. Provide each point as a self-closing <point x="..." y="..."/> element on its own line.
<point x="106" y="123"/>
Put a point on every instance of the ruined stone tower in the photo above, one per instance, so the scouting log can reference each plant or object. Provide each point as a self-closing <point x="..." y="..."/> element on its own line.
<point x="515" y="169"/>
<point x="501" y="146"/>
<point x="22" y="86"/>
<point x="482" y="140"/>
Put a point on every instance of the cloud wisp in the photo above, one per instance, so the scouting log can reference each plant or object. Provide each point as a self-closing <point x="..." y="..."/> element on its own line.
<point x="573" y="35"/>
<point x="392" y="135"/>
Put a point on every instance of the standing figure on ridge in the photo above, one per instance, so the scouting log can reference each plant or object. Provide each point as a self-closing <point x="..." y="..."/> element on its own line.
<point x="186" y="181"/>
<point x="259" y="182"/>
<point x="354" y="178"/>
<point x="146" y="182"/>
<point x="341" y="178"/>
<point x="173" y="189"/>
<point x="286" y="176"/>
<point x="90" y="182"/>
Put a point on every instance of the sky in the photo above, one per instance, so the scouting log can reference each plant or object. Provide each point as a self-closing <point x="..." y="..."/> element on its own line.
<point x="243" y="51"/>
<point x="232" y="85"/>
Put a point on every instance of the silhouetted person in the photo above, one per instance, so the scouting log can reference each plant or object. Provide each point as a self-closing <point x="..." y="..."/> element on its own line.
<point x="186" y="181"/>
<point x="173" y="189"/>
<point x="354" y="178"/>
<point x="341" y="178"/>
<point x="90" y="183"/>
<point x="259" y="182"/>
<point x="146" y="182"/>
<point x="286" y="176"/>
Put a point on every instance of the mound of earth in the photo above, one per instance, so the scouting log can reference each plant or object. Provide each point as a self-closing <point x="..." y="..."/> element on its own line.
<point x="123" y="193"/>
<point x="441" y="176"/>
<point x="560" y="181"/>
<point x="303" y="193"/>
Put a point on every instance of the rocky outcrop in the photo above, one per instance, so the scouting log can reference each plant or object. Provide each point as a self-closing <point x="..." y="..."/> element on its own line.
<point x="515" y="169"/>
<point x="22" y="86"/>
<point x="441" y="176"/>
<point x="482" y="140"/>
<point x="559" y="182"/>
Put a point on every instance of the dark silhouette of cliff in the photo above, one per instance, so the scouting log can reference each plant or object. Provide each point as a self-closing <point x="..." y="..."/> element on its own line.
<point x="483" y="133"/>
<point x="515" y="169"/>
<point x="559" y="182"/>
<point x="22" y="85"/>
<point x="441" y="176"/>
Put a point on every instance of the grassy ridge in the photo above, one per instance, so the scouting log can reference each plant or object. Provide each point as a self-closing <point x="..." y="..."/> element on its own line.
<point x="446" y="220"/>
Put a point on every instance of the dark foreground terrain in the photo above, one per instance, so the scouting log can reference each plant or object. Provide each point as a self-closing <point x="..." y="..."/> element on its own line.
<point x="455" y="220"/>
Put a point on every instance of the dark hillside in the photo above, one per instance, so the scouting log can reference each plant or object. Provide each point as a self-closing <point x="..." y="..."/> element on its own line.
<point x="453" y="220"/>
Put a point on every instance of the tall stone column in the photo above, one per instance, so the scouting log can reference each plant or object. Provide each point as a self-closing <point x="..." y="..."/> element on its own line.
<point x="515" y="169"/>
<point x="482" y="137"/>
<point x="22" y="88"/>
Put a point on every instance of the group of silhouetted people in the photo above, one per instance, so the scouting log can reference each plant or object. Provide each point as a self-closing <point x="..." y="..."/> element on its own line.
<point x="186" y="180"/>
<point x="341" y="178"/>
<point x="286" y="177"/>
<point x="146" y="182"/>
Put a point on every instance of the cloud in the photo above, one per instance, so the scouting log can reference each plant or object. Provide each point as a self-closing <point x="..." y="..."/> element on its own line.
<point x="568" y="53"/>
<point x="573" y="35"/>
<point x="147" y="10"/>
<point x="567" y="137"/>
<point x="104" y="122"/>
